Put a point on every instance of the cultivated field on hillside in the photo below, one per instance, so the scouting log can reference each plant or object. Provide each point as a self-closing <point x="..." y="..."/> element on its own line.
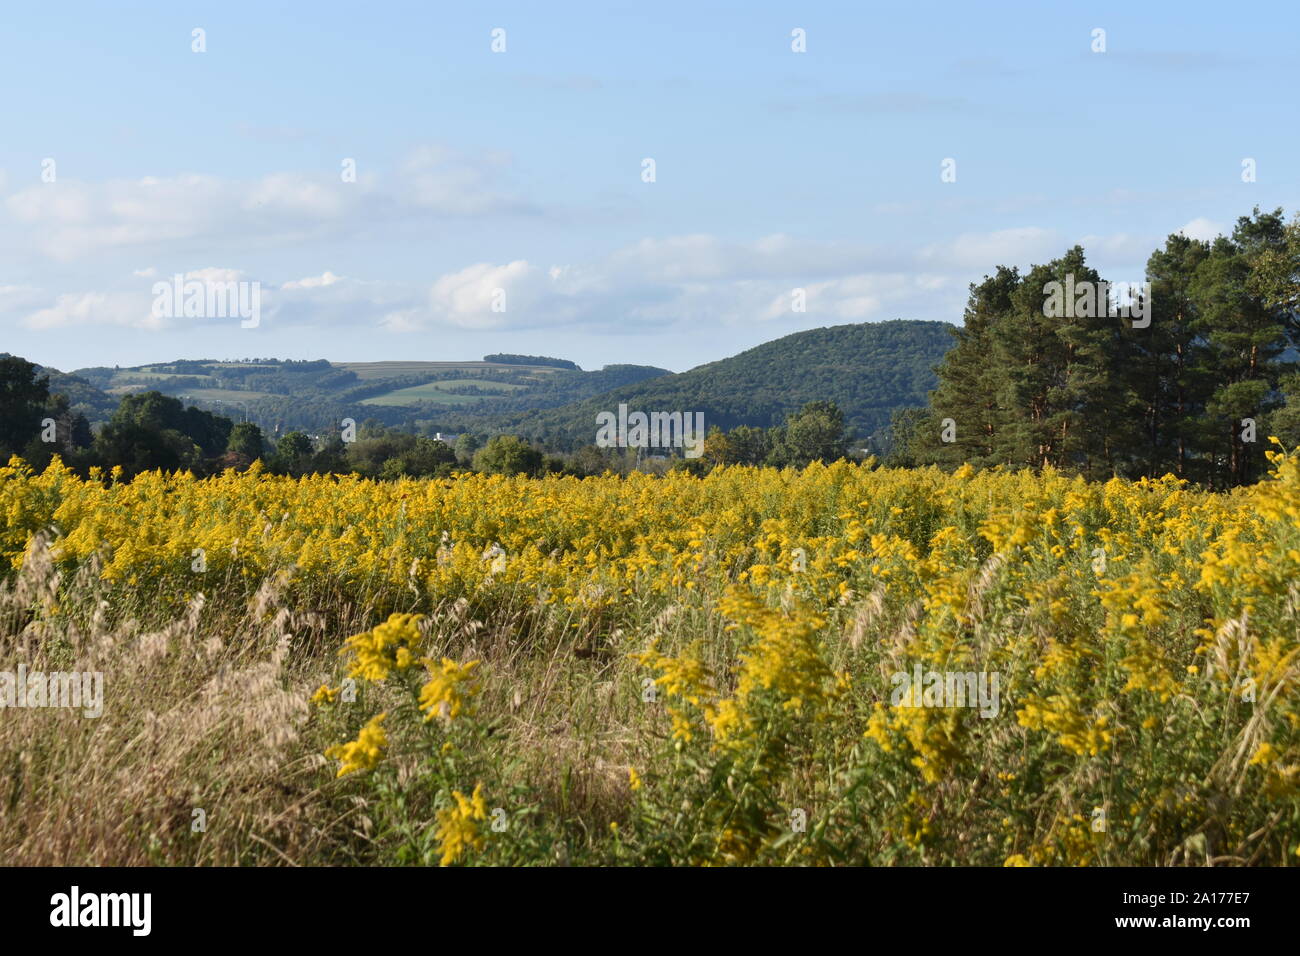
<point x="437" y="393"/>
<point x="661" y="670"/>
<point x="381" y="370"/>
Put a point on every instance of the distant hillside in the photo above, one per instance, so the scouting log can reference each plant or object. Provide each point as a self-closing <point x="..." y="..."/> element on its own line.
<point x="507" y="358"/>
<point x="83" y="397"/>
<point x="868" y="370"/>
<point x="313" y="395"/>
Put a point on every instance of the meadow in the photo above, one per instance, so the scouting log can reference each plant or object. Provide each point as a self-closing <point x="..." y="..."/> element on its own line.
<point x="438" y="392"/>
<point x="653" y="670"/>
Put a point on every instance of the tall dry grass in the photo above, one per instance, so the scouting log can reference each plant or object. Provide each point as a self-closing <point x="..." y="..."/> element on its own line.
<point x="204" y="713"/>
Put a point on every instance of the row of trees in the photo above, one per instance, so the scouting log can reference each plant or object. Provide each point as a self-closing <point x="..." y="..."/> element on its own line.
<point x="149" y="430"/>
<point x="1193" y="392"/>
<point x="817" y="432"/>
<point x="814" y="433"/>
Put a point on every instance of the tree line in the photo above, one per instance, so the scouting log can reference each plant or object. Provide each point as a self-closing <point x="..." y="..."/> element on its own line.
<point x="1193" y="389"/>
<point x="151" y="431"/>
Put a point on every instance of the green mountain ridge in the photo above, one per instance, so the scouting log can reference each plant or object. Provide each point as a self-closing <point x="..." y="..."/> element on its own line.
<point x="314" y="395"/>
<point x="868" y="369"/>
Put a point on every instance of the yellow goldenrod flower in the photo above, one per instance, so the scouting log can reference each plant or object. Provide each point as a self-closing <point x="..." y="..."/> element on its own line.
<point x="325" y="694"/>
<point x="449" y="688"/>
<point x="458" y="831"/>
<point x="386" y="648"/>
<point x="365" y="752"/>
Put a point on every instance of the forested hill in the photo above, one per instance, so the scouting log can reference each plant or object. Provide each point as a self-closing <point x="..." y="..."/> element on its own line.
<point x="1194" y="384"/>
<point x="868" y="370"/>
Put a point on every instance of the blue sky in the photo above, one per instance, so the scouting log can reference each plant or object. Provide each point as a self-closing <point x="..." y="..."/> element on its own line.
<point x="521" y="171"/>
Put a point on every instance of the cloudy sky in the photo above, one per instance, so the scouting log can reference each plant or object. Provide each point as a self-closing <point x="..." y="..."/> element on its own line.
<point x="127" y="158"/>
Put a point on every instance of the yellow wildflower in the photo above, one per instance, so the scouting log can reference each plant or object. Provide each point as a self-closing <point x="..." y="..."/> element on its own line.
<point x="325" y="694"/>
<point x="449" y="688"/>
<point x="386" y="648"/>
<point x="365" y="752"/>
<point x="458" y="829"/>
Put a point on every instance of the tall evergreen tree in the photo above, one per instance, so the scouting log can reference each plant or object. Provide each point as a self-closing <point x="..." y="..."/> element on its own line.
<point x="968" y="408"/>
<point x="1054" y="364"/>
<point x="1245" y="337"/>
<point x="1051" y="371"/>
<point x="1169" y="379"/>
<point x="23" y="394"/>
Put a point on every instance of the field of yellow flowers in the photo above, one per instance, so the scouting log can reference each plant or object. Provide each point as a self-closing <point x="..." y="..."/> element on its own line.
<point x="653" y="670"/>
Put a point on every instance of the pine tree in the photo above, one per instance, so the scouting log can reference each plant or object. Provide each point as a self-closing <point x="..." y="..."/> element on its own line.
<point x="967" y="412"/>
<point x="1245" y="338"/>
<point x="1168" y="377"/>
<point x="1047" y="376"/>
<point x="1052" y="370"/>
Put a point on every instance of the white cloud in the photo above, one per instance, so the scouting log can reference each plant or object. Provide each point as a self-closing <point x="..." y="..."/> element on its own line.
<point x="128" y="304"/>
<point x="515" y="295"/>
<point x="72" y="219"/>
<point x="214" y="274"/>
<point x="986" y="250"/>
<point x="96" y="308"/>
<point x="19" y="300"/>
<point x="1203" y="229"/>
<point x="688" y="281"/>
<point x="330" y="300"/>
<point x="312" y="282"/>
<point x="861" y="298"/>
<point x="484" y="295"/>
<point x="703" y="257"/>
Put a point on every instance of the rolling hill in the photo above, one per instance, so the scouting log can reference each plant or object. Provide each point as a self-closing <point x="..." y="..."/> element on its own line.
<point x="867" y="369"/>
<point x="312" y="395"/>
